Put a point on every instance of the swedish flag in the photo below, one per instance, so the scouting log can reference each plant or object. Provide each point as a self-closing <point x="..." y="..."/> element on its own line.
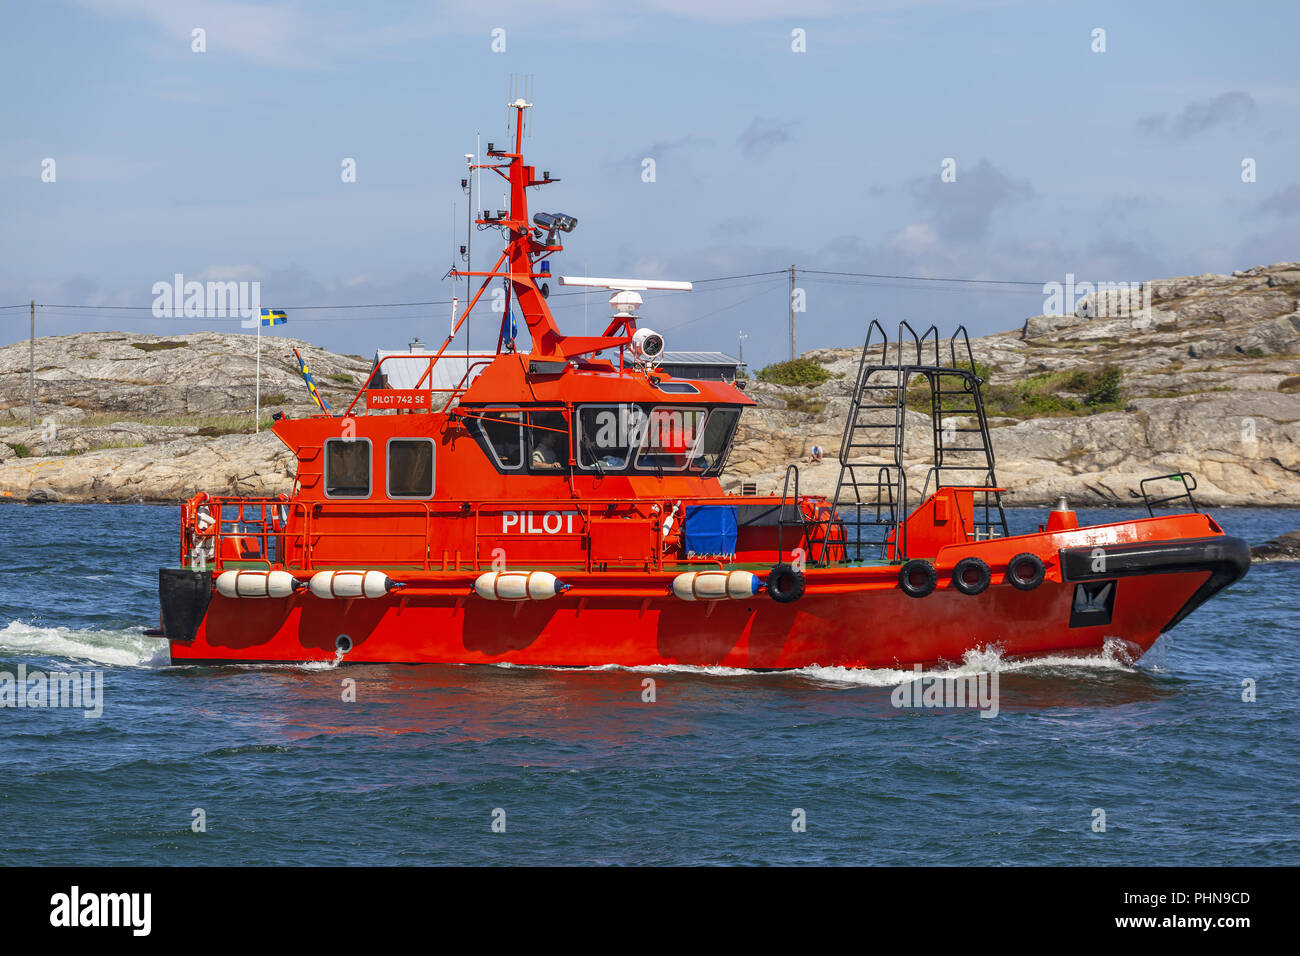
<point x="311" y="383"/>
<point x="274" y="317"/>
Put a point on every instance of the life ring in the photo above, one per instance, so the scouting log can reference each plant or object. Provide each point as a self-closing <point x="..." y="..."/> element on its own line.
<point x="917" y="578"/>
<point x="786" y="583"/>
<point x="1025" y="571"/>
<point x="971" y="576"/>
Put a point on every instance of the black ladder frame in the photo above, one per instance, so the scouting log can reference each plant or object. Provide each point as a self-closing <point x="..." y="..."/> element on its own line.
<point x="871" y="497"/>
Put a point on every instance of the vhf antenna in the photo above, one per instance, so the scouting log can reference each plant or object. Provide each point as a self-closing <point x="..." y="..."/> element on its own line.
<point x="519" y="86"/>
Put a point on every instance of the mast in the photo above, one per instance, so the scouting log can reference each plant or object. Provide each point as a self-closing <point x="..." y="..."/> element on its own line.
<point x="529" y="240"/>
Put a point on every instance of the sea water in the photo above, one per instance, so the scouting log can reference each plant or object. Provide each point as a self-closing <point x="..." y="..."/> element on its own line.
<point x="1188" y="756"/>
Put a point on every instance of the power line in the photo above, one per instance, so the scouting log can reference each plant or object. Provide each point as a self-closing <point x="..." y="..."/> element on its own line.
<point x="888" y="277"/>
<point x="873" y="275"/>
<point x="770" y="285"/>
<point x="748" y="275"/>
<point x="960" y="290"/>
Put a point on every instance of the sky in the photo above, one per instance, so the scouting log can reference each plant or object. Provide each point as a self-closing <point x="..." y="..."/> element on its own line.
<point x="813" y="133"/>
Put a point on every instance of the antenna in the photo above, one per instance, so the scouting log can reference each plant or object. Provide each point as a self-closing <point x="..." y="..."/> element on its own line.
<point x="528" y="96"/>
<point x="521" y="94"/>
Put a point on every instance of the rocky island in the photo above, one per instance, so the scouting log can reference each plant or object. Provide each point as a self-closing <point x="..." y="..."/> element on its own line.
<point x="1206" y="381"/>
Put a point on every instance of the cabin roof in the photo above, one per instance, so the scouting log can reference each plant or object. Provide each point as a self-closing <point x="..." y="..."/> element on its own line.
<point x="509" y="380"/>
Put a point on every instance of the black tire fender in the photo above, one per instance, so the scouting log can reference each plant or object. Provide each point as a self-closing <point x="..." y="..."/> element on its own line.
<point x="1025" y="571"/>
<point x="917" y="578"/>
<point x="971" y="576"/>
<point x="786" y="583"/>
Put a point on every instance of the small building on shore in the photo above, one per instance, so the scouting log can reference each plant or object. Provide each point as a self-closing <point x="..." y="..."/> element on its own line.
<point x="706" y="366"/>
<point x="404" y="369"/>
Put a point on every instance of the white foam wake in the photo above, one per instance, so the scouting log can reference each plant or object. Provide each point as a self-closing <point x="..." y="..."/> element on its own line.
<point x="985" y="660"/>
<point x="125" y="648"/>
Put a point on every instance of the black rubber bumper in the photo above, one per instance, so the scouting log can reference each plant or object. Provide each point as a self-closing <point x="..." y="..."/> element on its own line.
<point x="184" y="595"/>
<point x="1227" y="559"/>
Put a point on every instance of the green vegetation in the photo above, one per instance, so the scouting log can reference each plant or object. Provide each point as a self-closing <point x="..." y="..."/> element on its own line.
<point x="159" y="346"/>
<point x="795" y="372"/>
<point x="1291" y="384"/>
<point x="21" y="450"/>
<point x="106" y="445"/>
<point x="1042" y="394"/>
<point x="232" y="425"/>
<point x="278" y="398"/>
<point x="1253" y="352"/>
<point x="342" y="378"/>
<point x="805" y="404"/>
<point x="210" y="426"/>
<point x="1101" y="387"/>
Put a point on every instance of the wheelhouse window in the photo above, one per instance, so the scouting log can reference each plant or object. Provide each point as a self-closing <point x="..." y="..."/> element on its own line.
<point x="548" y="441"/>
<point x="608" y="435"/>
<point x="673" y="434"/>
<point x="715" y="441"/>
<point x="500" y="433"/>
<point x="410" y="467"/>
<point x="347" y="468"/>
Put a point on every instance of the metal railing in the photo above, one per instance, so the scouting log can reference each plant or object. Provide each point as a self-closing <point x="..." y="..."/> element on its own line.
<point x="1185" y="478"/>
<point x="453" y="392"/>
<point x="218" y="531"/>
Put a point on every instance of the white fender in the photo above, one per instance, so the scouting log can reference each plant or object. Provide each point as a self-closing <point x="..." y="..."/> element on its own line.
<point x="716" y="585"/>
<point x="351" y="584"/>
<point x="518" y="585"/>
<point x="249" y="583"/>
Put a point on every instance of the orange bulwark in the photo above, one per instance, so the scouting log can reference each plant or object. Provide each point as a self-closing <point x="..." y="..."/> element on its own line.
<point x="554" y="507"/>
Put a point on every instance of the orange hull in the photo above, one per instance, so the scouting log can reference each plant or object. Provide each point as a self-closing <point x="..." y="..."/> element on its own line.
<point x="849" y="617"/>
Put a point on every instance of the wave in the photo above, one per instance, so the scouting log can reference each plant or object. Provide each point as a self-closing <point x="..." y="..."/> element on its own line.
<point x="121" y="648"/>
<point x="131" y="648"/>
<point x="1112" y="657"/>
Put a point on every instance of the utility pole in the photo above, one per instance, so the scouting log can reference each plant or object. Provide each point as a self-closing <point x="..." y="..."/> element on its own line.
<point x="792" y="350"/>
<point x="740" y="337"/>
<point x="31" y="373"/>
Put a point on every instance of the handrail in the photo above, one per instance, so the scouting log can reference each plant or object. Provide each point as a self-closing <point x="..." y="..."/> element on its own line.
<point x="780" y="515"/>
<point x="1185" y="478"/>
<point x="260" y="519"/>
<point x="431" y="360"/>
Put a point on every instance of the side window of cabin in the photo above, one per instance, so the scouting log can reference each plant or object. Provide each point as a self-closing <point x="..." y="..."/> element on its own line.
<point x="410" y="468"/>
<point x="548" y="439"/>
<point x="347" y="468"/>
<point x="501" y="435"/>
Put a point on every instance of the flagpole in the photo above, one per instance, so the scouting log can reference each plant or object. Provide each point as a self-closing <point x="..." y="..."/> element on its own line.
<point x="257" y="391"/>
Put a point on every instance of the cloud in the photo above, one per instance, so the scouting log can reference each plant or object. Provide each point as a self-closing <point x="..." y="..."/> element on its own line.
<point x="964" y="209"/>
<point x="734" y="227"/>
<point x="297" y="35"/>
<point x="1201" y="115"/>
<point x="657" y="151"/>
<point x="1284" y="202"/>
<point x="272" y="34"/>
<point x="764" y="135"/>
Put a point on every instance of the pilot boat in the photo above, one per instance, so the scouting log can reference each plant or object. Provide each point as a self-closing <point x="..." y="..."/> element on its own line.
<point x="562" y="505"/>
